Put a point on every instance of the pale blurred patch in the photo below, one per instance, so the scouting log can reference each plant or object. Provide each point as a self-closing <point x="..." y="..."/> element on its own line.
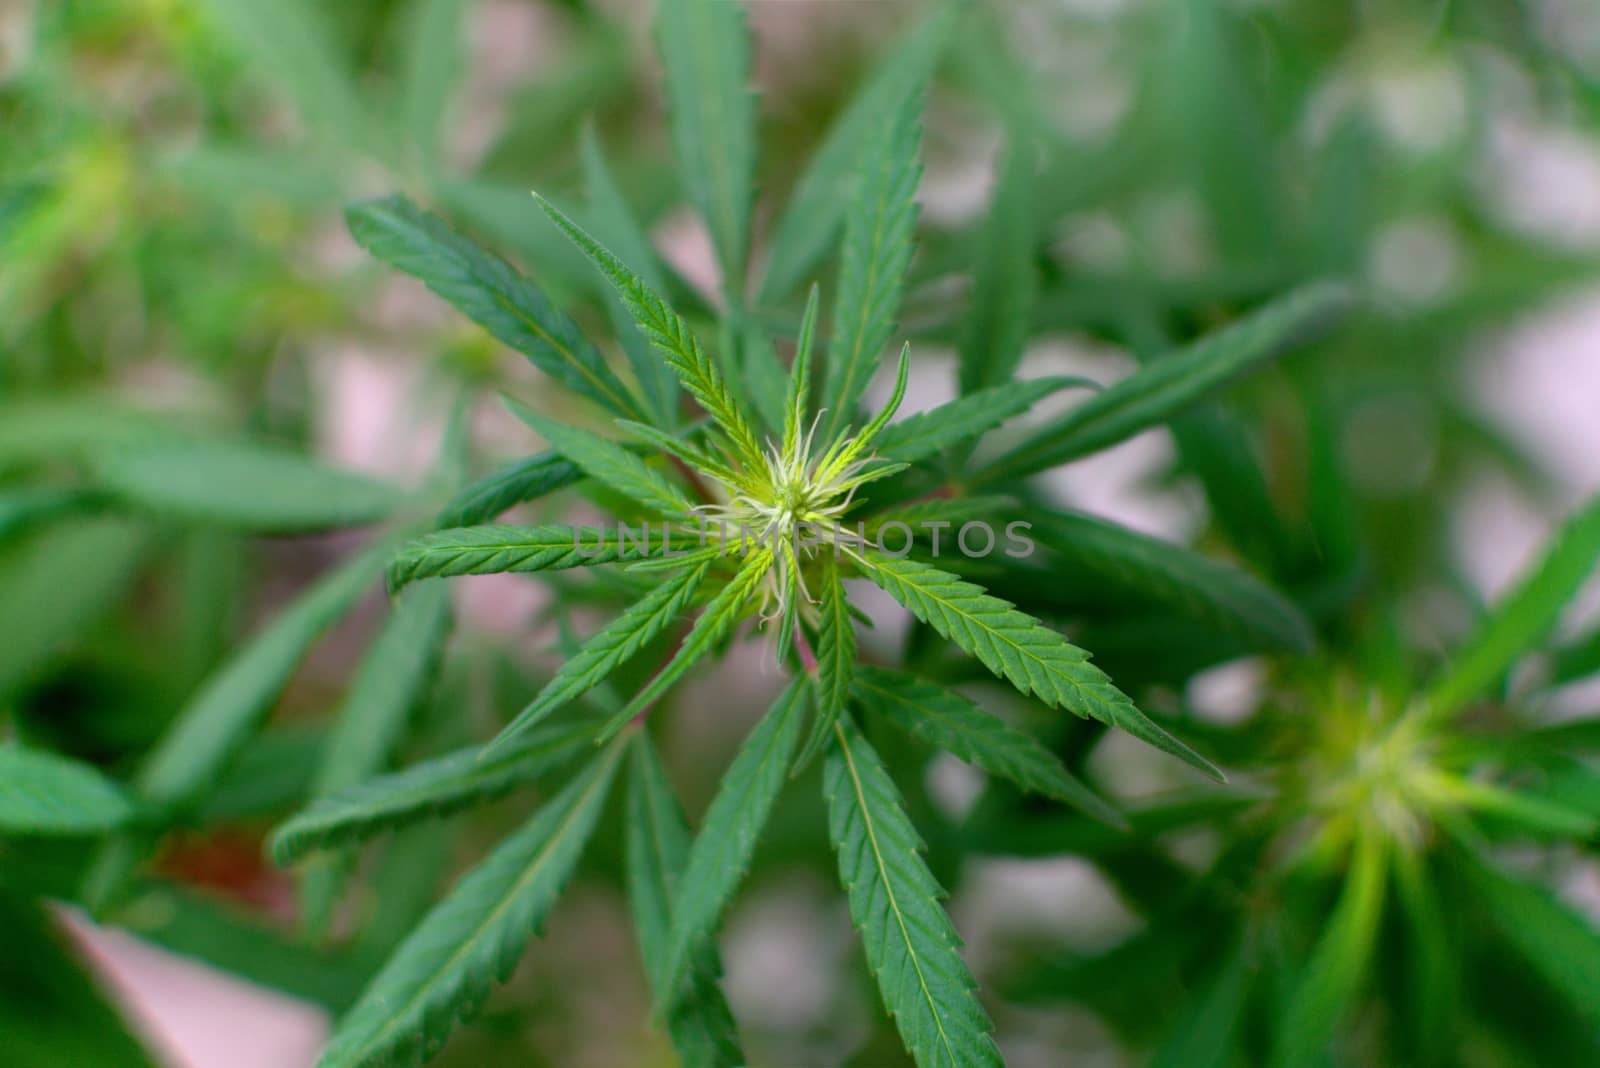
<point x="193" y="1016"/>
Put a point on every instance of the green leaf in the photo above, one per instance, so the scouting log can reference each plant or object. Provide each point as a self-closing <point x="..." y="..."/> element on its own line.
<point x="229" y="707"/>
<point x="433" y="66"/>
<point x="290" y="43"/>
<point x="1334" y="972"/>
<point x="946" y="512"/>
<point x="248" y="487"/>
<point x="943" y="718"/>
<point x="1205" y="1035"/>
<point x="490" y="292"/>
<point x="671" y="337"/>
<point x="1171" y="576"/>
<point x="614" y="644"/>
<point x="391" y="681"/>
<point x="1560" y="945"/>
<point x="53" y="1010"/>
<point x="55" y="585"/>
<point x="525" y="480"/>
<point x="719" y="617"/>
<point x="42" y="793"/>
<point x="691" y="454"/>
<point x="913" y="950"/>
<point x="29" y="506"/>
<point x="609" y="464"/>
<point x="1523" y="618"/>
<point x="429" y="790"/>
<point x="700" y="1023"/>
<point x="444" y="970"/>
<point x="925" y="434"/>
<point x="996" y="327"/>
<point x="493" y="549"/>
<point x="878" y="241"/>
<point x="1433" y="993"/>
<point x="1018" y="648"/>
<point x="797" y="401"/>
<point x="720" y="856"/>
<point x="816" y="209"/>
<point x="706" y="52"/>
<point x="612" y="221"/>
<point x="836" y="662"/>
<point x="1525" y="813"/>
<point x="1166" y="387"/>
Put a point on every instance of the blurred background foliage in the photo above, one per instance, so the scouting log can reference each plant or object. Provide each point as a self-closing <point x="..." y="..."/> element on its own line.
<point x="1116" y="178"/>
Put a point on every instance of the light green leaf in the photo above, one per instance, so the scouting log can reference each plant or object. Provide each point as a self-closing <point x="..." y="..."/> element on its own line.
<point x="1337" y="965"/>
<point x="700" y="1024"/>
<point x="433" y="64"/>
<point x="393" y="677"/>
<point x="996" y="326"/>
<point x="614" y="644"/>
<point x="706" y="52"/>
<point x="492" y="549"/>
<point x="691" y="454"/>
<point x="879" y="229"/>
<point x="671" y="336"/>
<point x="1525" y="616"/>
<point x="523" y="480"/>
<point x="288" y="42"/>
<point x="1166" y="387"/>
<point x="797" y="402"/>
<point x="1018" y="648"/>
<point x="225" y="713"/>
<point x="816" y="209"/>
<point x="926" y="434"/>
<point x="609" y="464"/>
<point x="444" y="970"/>
<point x="429" y="790"/>
<point x="243" y="486"/>
<point x="42" y="793"/>
<point x="943" y="718"/>
<point x="55" y="585"/>
<point x="1528" y="813"/>
<point x="721" y="853"/>
<point x="913" y="950"/>
<point x="612" y="221"/>
<point x="490" y="292"/>
<point x="1171" y="576"/>
<point x="719" y="617"/>
<point x="836" y="664"/>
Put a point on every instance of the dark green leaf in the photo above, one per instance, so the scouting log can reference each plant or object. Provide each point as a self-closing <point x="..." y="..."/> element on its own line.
<point x="1018" y="648"/>
<point x="444" y="970"/>
<point x="701" y="1024"/>
<point x="490" y="292"/>
<point x="428" y="790"/>
<point x="913" y="950"/>
<point x="1171" y="576"/>
<point x="943" y="718"/>
<point x="1167" y="386"/>
<point x="721" y="853"/>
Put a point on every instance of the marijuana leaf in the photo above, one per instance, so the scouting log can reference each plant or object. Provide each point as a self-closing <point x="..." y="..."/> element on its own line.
<point x="913" y="950"/>
<point x="1018" y="648"/>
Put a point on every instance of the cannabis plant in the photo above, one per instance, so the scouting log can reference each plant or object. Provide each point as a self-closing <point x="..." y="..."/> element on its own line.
<point x="1370" y="882"/>
<point x="762" y="509"/>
